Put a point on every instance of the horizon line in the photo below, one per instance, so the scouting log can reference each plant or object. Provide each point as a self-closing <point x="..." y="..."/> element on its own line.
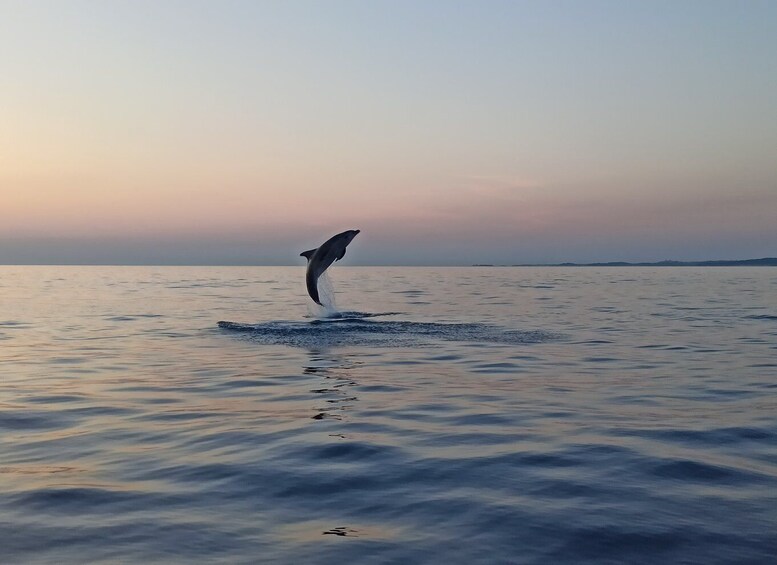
<point x="663" y="262"/>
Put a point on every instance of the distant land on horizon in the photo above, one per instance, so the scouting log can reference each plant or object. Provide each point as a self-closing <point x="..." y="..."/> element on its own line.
<point x="764" y="262"/>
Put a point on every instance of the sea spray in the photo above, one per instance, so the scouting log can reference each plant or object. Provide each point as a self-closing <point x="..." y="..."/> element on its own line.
<point x="326" y="295"/>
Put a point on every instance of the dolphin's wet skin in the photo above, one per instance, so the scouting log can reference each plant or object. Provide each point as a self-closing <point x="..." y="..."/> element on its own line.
<point x="320" y="258"/>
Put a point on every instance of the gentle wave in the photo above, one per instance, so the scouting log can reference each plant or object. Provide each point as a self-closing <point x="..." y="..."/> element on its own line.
<point x="636" y="426"/>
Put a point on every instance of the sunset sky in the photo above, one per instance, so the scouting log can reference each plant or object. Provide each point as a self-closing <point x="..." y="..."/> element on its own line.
<point x="226" y="132"/>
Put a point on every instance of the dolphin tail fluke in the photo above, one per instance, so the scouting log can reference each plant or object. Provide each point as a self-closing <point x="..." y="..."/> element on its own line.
<point x="311" y="281"/>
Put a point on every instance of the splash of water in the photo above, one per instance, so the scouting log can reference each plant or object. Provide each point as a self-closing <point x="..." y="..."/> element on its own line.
<point x="326" y="294"/>
<point x="364" y="329"/>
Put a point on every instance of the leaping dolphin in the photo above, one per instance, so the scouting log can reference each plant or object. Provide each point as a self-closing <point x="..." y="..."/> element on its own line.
<point x="319" y="259"/>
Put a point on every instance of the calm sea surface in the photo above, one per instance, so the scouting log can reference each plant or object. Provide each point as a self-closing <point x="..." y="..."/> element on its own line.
<point x="450" y="415"/>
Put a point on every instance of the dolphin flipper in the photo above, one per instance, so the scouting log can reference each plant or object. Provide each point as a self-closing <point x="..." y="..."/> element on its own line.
<point x="341" y="255"/>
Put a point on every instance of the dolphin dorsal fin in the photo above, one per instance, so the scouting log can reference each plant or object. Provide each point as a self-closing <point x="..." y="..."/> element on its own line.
<point x="308" y="254"/>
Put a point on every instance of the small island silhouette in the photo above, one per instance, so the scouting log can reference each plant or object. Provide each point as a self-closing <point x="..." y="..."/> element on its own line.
<point x="764" y="262"/>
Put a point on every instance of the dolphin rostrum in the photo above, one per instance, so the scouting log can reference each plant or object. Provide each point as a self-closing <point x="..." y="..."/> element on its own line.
<point x="319" y="259"/>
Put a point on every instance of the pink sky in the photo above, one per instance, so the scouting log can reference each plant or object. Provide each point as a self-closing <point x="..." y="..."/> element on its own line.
<point x="506" y="136"/>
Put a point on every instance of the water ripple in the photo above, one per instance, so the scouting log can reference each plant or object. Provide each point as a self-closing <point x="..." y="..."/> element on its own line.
<point x="637" y="425"/>
<point x="348" y="332"/>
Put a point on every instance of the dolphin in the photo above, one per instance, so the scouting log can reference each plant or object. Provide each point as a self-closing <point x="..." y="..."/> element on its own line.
<point x="319" y="259"/>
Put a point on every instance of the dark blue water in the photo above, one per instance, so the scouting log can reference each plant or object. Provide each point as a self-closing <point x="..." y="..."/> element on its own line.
<point x="476" y="415"/>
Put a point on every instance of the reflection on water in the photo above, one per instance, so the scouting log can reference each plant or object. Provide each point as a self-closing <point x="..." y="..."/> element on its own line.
<point x="464" y="415"/>
<point x="334" y="384"/>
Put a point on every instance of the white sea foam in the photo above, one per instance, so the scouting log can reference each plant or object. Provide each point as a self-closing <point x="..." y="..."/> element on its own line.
<point x="326" y="294"/>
